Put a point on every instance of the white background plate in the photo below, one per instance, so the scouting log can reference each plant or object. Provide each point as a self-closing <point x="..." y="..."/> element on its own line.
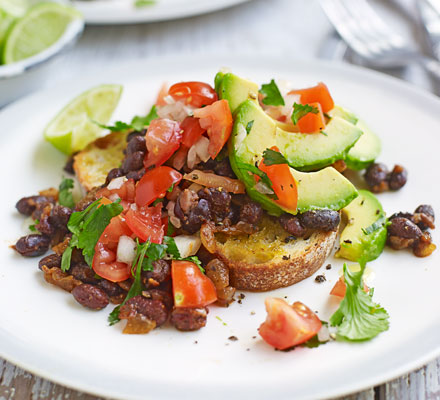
<point x="45" y="331"/>
<point x="106" y="12"/>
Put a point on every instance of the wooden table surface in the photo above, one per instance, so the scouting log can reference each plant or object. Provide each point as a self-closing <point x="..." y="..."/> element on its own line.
<point x="238" y="29"/>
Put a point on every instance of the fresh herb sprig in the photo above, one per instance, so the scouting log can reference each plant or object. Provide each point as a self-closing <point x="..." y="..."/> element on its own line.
<point x="256" y="171"/>
<point x="273" y="157"/>
<point x="65" y="197"/>
<point x="301" y="110"/>
<point x="272" y="95"/>
<point x="358" y="318"/>
<point x="87" y="227"/>
<point x="137" y="123"/>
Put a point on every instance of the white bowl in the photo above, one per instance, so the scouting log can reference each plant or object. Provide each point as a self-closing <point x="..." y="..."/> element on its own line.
<point x="25" y="76"/>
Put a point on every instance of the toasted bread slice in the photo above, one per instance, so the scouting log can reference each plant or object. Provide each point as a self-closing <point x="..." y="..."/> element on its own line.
<point x="92" y="164"/>
<point x="270" y="258"/>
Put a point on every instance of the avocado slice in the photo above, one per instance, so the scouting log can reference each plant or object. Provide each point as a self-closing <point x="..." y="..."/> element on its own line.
<point x="252" y="134"/>
<point x="366" y="149"/>
<point x="235" y="89"/>
<point x="363" y="239"/>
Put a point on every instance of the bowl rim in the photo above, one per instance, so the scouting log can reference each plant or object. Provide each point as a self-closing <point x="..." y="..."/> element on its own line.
<point x="70" y="36"/>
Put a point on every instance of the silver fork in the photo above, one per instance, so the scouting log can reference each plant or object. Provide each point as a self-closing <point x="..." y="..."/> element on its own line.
<point x="368" y="35"/>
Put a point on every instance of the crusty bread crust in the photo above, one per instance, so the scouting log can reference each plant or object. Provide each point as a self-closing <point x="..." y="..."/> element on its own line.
<point x="270" y="259"/>
<point x="92" y="164"/>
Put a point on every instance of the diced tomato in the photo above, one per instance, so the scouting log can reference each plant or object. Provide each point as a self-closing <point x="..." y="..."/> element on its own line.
<point x="105" y="264"/>
<point x="155" y="183"/>
<point x="126" y="192"/>
<point x="163" y="138"/>
<point x="196" y="94"/>
<point x="118" y="227"/>
<point x="340" y="288"/>
<point x="146" y="223"/>
<point x="191" y="131"/>
<point x="191" y="288"/>
<point x="311" y="122"/>
<point x="283" y="183"/>
<point x="163" y="92"/>
<point x="217" y="120"/>
<point x="288" y="325"/>
<point x="178" y="159"/>
<point x="316" y="94"/>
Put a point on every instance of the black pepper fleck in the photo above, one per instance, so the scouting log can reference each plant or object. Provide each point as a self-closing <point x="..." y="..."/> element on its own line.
<point x="377" y="212"/>
<point x="348" y="241"/>
<point x="286" y="257"/>
<point x="233" y="338"/>
<point x="241" y="296"/>
<point x="320" y="278"/>
<point x="328" y="266"/>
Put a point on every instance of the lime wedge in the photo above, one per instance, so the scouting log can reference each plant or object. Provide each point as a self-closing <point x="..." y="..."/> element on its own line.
<point x="38" y="29"/>
<point x="10" y="10"/>
<point x="73" y="129"/>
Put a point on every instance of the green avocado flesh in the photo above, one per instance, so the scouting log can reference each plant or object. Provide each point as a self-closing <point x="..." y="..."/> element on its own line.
<point x="363" y="239"/>
<point x="366" y="149"/>
<point x="252" y="134"/>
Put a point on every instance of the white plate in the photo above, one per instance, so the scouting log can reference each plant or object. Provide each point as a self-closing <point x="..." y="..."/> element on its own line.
<point x="45" y="331"/>
<point x="109" y="12"/>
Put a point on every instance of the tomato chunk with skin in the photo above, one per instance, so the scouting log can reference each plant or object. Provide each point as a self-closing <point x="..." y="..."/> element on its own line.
<point x="191" y="288"/>
<point x="146" y="223"/>
<point x="163" y="138"/>
<point x="155" y="183"/>
<point x="196" y="94"/>
<point x="316" y="94"/>
<point x="283" y="183"/>
<point x="312" y="123"/>
<point x="125" y="192"/>
<point x="217" y="120"/>
<point x="288" y="325"/>
<point x="192" y="131"/>
<point x="340" y="288"/>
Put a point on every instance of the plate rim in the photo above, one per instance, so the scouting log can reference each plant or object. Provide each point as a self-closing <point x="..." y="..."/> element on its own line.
<point x="335" y="67"/>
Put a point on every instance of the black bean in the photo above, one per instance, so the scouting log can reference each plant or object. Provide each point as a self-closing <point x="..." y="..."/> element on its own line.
<point x="50" y="261"/>
<point x="113" y="174"/>
<point x="324" y="220"/>
<point x="425" y="209"/>
<point x="90" y="296"/>
<point x="136" y="175"/>
<point x="196" y="216"/>
<point x="60" y="216"/>
<point x="111" y="288"/>
<point x="398" y="177"/>
<point x="219" y="201"/>
<point x="83" y="273"/>
<point x="137" y="143"/>
<point x="161" y="273"/>
<point x="154" y="310"/>
<point x="68" y="167"/>
<point x="27" y="205"/>
<point x="404" y="228"/>
<point x="291" y="224"/>
<point x="189" y="319"/>
<point x="133" y="162"/>
<point x="401" y="215"/>
<point x="161" y="295"/>
<point x="32" y="245"/>
<point x="133" y="134"/>
<point x="376" y="177"/>
<point x="251" y="213"/>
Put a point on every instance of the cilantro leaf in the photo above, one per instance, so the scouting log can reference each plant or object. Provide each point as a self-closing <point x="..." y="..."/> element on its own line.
<point x="155" y="252"/>
<point x="301" y="110"/>
<point x="137" y="123"/>
<point x="137" y="287"/>
<point x="195" y="260"/>
<point x="33" y="227"/>
<point x="358" y="317"/>
<point x="249" y="126"/>
<point x="272" y="94"/>
<point x="170" y="189"/>
<point x="87" y="227"/>
<point x="256" y="171"/>
<point x="382" y="221"/>
<point x="171" y="247"/>
<point x="273" y="157"/>
<point x="65" y="197"/>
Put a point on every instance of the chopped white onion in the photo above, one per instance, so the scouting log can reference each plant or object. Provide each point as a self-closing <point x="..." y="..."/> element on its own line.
<point x="116" y="183"/>
<point x="201" y="147"/>
<point x="262" y="188"/>
<point x="193" y="159"/>
<point x="173" y="219"/>
<point x="324" y="334"/>
<point x="133" y="206"/>
<point x="169" y="99"/>
<point x="113" y="197"/>
<point x="241" y="135"/>
<point x="176" y="111"/>
<point x="188" y="245"/>
<point x="126" y="251"/>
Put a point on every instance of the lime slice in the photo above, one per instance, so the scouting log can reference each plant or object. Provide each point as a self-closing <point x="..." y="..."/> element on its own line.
<point x="39" y="28"/>
<point x="10" y="10"/>
<point x="73" y="129"/>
